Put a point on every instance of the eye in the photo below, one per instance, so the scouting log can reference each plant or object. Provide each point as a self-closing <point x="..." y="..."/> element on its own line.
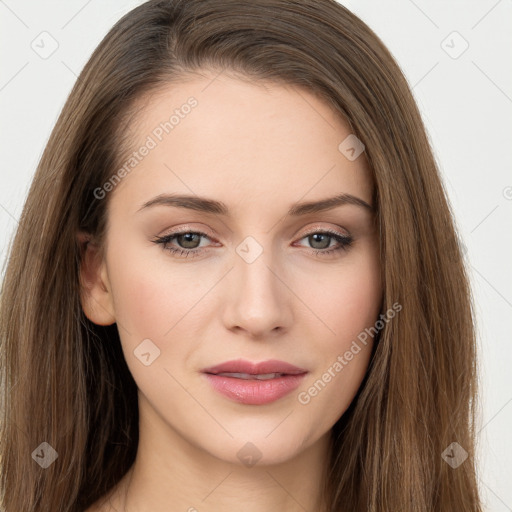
<point x="321" y="242"/>
<point x="189" y="242"/>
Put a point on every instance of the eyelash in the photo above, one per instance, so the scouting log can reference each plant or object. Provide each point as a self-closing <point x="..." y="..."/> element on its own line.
<point x="344" y="242"/>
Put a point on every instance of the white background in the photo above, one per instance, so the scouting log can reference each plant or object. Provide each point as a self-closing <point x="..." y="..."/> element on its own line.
<point x="466" y="103"/>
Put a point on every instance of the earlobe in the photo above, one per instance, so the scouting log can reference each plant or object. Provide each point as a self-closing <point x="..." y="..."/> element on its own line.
<point x="95" y="293"/>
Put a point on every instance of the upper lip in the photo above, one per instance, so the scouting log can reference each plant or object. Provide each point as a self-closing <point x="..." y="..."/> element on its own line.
<point x="262" y="368"/>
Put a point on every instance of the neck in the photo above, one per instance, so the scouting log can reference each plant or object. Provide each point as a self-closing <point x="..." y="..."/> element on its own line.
<point x="170" y="474"/>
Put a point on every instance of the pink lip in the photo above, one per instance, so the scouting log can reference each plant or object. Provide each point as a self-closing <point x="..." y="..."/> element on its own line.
<point x="252" y="391"/>
<point x="243" y="366"/>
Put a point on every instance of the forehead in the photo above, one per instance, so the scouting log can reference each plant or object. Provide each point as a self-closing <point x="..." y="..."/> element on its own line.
<point x="240" y="141"/>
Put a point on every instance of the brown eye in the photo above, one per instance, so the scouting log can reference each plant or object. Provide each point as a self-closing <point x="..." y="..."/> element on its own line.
<point x="188" y="240"/>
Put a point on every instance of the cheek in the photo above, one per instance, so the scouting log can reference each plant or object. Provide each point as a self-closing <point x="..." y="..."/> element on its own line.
<point x="153" y="305"/>
<point x="329" y="393"/>
<point x="157" y="300"/>
<point x="149" y="300"/>
<point x="140" y="301"/>
<point x="347" y="300"/>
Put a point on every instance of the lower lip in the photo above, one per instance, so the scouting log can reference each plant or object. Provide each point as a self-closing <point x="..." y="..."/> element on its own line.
<point x="255" y="392"/>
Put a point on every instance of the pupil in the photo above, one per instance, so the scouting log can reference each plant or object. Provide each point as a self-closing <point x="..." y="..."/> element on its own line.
<point x="189" y="239"/>
<point x="326" y="238"/>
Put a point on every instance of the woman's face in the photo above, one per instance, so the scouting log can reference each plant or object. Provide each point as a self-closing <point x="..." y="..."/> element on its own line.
<point x="260" y="276"/>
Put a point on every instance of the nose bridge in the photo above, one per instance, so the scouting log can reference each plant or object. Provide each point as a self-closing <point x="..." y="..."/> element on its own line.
<point x="258" y="300"/>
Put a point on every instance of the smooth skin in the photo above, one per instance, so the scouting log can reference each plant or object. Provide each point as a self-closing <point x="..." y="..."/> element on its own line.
<point x="259" y="149"/>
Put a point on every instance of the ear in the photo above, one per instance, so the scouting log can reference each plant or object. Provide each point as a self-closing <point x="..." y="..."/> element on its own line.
<point x="95" y="292"/>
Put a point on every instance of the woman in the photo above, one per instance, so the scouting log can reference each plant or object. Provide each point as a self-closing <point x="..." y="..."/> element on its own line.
<point x="237" y="280"/>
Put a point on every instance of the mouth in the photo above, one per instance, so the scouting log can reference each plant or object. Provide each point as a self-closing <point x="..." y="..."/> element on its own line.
<point x="243" y="369"/>
<point x="248" y="376"/>
<point x="254" y="383"/>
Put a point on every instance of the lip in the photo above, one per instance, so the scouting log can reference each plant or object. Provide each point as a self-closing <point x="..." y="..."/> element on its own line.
<point x="243" y="366"/>
<point x="252" y="391"/>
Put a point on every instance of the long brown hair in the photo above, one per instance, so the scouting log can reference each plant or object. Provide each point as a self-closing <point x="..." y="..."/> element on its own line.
<point x="65" y="381"/>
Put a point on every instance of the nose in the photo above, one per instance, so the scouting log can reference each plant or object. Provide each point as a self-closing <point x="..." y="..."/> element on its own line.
<point x="258" y="299"/>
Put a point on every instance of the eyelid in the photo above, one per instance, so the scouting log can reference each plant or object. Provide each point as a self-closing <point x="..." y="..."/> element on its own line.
<point x="316" y="229"/>
<point x="189" y="229"/>
<point x="344" y="241"/>
<point x="209" y="234"/>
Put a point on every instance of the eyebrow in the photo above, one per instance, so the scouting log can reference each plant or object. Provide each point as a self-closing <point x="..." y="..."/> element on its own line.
<point x="206" y="205"/>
